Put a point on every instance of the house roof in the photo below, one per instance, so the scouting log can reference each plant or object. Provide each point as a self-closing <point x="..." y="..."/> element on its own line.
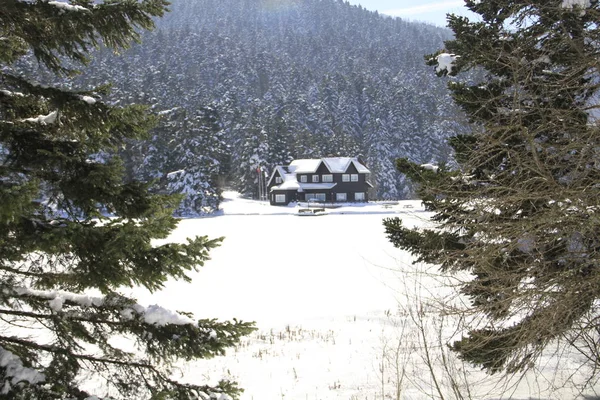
<point x="333" y="164"/>
<point x="301" y="187"/>
<point x="316" y="186"/>
<point x="304" y="165"/>
<point x="278" y="169"/>
<point x="289" y="180"/>
<point x="341" y="164"/>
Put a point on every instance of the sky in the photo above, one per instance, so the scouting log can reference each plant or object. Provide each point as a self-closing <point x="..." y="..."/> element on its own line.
<point x="431" y="11"/>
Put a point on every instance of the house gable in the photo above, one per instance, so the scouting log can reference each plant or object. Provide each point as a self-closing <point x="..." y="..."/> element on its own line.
<point x="323" y="169"/>
<point x="351" y="169"/>
<point x="278" y="172"/>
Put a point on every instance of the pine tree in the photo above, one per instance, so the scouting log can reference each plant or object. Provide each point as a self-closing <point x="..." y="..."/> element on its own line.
<point x="62" y="261"/>
<point x="521" y="212"/>
<point x="199" y="162"/>
<point x="251" y="160"/>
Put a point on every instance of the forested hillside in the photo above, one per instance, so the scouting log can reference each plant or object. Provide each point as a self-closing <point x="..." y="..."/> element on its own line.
<point x="283" y="79"/>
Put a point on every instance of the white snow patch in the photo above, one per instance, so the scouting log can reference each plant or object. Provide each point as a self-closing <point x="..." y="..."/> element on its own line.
<point x="67" y="7"/>
<point x="580" y="4"/>
<point x="542" y="60"/>
<point x="9" y="93"/>
<point x="161" y="316"/>
<point x="445" y="62"/>
<point x="16" y="372"/>
<point x="58" y="298"/>
<point x="165" y="112"/>
<point x="156" y="315"/>
<point x="430" y="167"/>
<point x="172" y="175"/>
<point x="88" y="99"/>
<point x="43" y="119"/>
<point x="56" y="304"/>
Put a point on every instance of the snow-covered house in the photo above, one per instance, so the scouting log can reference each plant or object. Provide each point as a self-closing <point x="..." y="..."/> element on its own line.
<point x="332" y="179"/>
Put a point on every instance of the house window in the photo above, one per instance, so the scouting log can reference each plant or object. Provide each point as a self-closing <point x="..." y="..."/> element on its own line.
<point x="345" y="177"/>
<point x="315" y="196"/>
<point x="359" y="196"/>
<point x="341" y="197"/>
<point x="278" y="180"/>
<point x="280" y="198"/>
<point x="328" y="178"/>
<point x="354" y="177"/>
<point x="303" y="178"/>
<point x="315" y="178"/>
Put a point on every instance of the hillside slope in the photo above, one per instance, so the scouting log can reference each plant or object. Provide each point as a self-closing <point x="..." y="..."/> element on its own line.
<point x="293" y="79"/>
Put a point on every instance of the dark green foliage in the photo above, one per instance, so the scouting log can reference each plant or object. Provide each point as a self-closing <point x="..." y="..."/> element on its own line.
<point x="520" y="213"/>
<point x="186" y="155"/>
<point x="71" y="224"/>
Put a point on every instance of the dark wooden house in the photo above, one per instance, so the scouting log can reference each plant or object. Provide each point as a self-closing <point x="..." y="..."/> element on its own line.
<point x="331" y="180"/>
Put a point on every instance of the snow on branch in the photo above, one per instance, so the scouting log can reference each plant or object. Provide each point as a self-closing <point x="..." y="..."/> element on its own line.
<point x="578" y="3"/>
<point x="88" y="99"/>
<point x="43" y="119"/>
<point x="11" y="94"/>
<point x="157" y="315"/>
<point x="153" y="315"/>
<point x="67" y="7"/>
<point x="170" y="111"/>
<point x="175" y="174"/>
<point x="430" y="167"/>
<point x="56" y="299"/>
<point x="16" y="372"/>
<point x="445" y="62"/>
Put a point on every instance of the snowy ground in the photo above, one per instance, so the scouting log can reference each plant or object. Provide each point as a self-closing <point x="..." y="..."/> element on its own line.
<point x="335" y="304"/>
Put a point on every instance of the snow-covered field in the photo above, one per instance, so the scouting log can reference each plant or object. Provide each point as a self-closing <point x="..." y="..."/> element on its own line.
<point x="340" y="312"/>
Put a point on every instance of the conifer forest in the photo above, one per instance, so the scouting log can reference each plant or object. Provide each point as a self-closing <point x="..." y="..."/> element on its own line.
<point x="245" y="84"/>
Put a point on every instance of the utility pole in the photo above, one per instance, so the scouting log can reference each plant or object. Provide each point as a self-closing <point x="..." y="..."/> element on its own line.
<point x="262" y="184"/>
<point x="259" y="183"/>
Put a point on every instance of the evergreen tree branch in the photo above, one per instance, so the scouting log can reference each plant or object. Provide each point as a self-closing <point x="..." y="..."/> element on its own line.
<point x="520" y="213"/>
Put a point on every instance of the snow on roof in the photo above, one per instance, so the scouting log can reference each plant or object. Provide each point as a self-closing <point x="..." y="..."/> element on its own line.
<point x="304" y="165"/>
<point x="278" y="169"/>
<point x="334" y="164"/>
<point x="316" y="186"/>
<point x="294" y="185"/>
<point x="288" y="184"/>
<point x="289" y="179"/>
